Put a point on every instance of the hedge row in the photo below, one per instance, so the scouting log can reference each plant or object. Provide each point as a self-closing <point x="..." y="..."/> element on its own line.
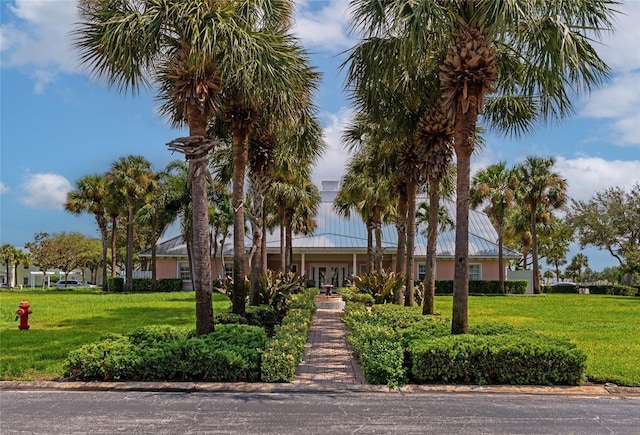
<point x="486" y="287"/>
<point x="613" y="289"/>
<point x="142" y="285"/>
<point x="284" y="351"/>
<point x="397" y="345"/>
<point x="165" y="353"/>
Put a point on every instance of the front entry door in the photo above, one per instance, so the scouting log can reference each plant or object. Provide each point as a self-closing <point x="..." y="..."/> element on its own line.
<point x="333" y="274"/>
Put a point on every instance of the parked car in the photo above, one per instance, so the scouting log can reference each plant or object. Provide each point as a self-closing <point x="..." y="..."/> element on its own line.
<point x="72" y="283"/>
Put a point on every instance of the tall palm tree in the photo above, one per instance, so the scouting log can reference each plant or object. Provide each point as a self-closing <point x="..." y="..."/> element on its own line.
<point x="160" y="209"/>
<point x="435" y="135"/>
<point x="191" y="51"/>
<point x="366" y="185"/>
<point x="496" y="185"/>
<point x="533" y="53"/>
<point x="8" y="254"/>
<point x="133" y="177"/>
<point x="91" y="196"/>
<point x="539" y="186"/>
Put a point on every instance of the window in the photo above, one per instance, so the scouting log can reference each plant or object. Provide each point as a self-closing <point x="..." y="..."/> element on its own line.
<point x="475" y="272"/>
<point x="25" y="266"/>
<point x="25" y="280"/>
<point x="422" y="271"/>
<point x="228" y="269"/>
<point x="184" y="273"/>
<point x="363" y="269"/>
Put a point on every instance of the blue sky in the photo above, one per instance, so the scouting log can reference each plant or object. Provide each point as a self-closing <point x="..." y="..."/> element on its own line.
<point x="59" y="124"/>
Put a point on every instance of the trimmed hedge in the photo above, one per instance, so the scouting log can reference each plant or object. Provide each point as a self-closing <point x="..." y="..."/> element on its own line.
<point x="612" y="289"/>
<point x="115" y="284"/>
<point x="143" y="285"/>
<point x="498" y="359"/>
<point x="284" y="351"/>
<point x="484" y="287"/>
<point x="397" y="344"/>
<point x="162" y="353"/>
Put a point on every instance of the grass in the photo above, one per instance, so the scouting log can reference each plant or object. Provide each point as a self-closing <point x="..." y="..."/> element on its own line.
<point x="64" y="320"/>
<point x="606" y="328"/>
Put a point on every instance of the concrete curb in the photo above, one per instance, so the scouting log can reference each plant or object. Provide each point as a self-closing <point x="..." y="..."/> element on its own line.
<point x="607" y="390"/>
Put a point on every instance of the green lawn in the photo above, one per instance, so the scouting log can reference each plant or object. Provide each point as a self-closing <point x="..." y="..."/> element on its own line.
<point x="606" y="328"/>
<point x="65" y="320"/>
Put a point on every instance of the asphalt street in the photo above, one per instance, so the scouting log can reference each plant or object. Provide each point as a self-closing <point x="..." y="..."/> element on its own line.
<point x="149" y="412"/>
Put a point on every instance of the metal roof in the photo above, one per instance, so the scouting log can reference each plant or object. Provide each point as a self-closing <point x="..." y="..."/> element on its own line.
<point x="339" y="234"/>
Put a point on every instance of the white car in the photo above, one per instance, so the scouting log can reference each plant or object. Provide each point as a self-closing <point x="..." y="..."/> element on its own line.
<point x="72" y="283"/>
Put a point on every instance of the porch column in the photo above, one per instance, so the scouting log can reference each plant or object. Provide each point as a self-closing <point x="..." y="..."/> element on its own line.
<point x="303" y="269"/>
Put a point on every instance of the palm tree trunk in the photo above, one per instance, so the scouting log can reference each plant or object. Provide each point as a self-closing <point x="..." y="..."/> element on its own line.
<point x="154" y="271"/>
<point x="401" y="227"/>
<point x="263" y="253"/>
<point x="500" y="258"/>
<point x="128" y="284"/>
<point x="378" y="237"/>
<point x="114" y="223"/>
<point x="240" y="128"/>
<point x="283" y="244"/>
<point x="464" y="148"/>
<point x="432" y="242"/>
<point x="259" y="187"/>
<point x="369" y="246"/>
<point x="289" y="242"/>
<point x="412" y="189"/>
<point x="534" y="251"/>
<point x="200" y="238"/>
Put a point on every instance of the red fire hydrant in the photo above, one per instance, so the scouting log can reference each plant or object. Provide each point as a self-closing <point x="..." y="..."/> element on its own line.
<point x="23" y="312"/>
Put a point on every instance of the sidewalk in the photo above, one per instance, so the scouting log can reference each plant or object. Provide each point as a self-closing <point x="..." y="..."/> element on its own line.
<point x="328" y="357"/>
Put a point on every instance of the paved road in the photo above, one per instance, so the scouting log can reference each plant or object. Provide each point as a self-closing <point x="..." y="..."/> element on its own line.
<point x="75" y="412"/>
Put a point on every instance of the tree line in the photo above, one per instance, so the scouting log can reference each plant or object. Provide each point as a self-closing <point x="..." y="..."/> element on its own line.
<point x="421" y="77"/>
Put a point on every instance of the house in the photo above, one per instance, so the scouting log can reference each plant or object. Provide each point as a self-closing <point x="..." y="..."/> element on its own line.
<point x="338" y="249"/>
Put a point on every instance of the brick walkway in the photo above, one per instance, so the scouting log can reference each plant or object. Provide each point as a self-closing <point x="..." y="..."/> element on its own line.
<point x="328" y="357"/>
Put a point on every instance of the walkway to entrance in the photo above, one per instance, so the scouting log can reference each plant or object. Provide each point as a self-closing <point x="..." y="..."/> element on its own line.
<point x="328" y="357"/>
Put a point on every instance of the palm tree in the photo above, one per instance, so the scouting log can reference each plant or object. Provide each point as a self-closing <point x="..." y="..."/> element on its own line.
<point x="8" y="254"/>
<point x="435" y="135"/>
<point x="495" y="184"/>
<point x="20" y="257"/>
<point x="274" y="151"/>
<point x="531" y="52"/>
<point x="133" y="178"/>
<point x="160" y="209"/>
<point x="367" y="186"/>
<point x="192" y="51"/>
<point x="539" y="187"/>
<point x="91" y="196"/>
<point x="577" y="263"/>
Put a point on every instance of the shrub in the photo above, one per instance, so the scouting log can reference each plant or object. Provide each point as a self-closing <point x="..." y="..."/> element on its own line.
<point x="115" y="284"/>
<point x="284" y="351"/>
<point x="383" y="363"/>
<point x="484" y="287"/>
<point x="499" y="359"/>
<point x="612" y="289"/>
<point x="562" y="288"/>
<point x="262" y="315"/>
<point x="276" y="290"/>
<point x="164" y="353"/>
<point x="351" y="294"/>
<point x="380" y="284"/>
<point x="169" y="285"/>
<point x="141" y="285"/>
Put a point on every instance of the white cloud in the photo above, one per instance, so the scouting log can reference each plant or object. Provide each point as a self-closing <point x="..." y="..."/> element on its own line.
<point x="620" y="49"/>
<point x="3" y="188"/>
<point x="37" y="36"/>
<point x="326" y="26"/>
<point x="617" y="101"/>
<point x="48" y="191"/>
<point x="332" y="165"/>
<point x="588" y="175"/>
